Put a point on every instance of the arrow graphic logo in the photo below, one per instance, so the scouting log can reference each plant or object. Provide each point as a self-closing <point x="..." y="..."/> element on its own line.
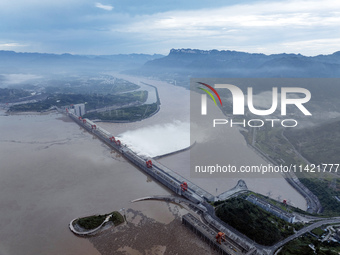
<point x="204" y="97"/>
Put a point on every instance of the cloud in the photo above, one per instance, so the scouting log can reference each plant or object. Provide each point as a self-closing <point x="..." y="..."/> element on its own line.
<point x="11" y="46"/>
<point x="308" y="27"/>
<point x="258" y="15"/>
<point x="272" y="26"/>
<point x="104" y="7"/>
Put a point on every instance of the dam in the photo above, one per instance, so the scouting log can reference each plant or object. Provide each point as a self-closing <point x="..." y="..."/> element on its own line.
<point x="161" y="173"/>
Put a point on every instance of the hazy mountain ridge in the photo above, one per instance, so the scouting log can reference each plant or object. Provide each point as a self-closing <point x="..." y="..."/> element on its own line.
<point x="11" y="61"/>
<point x="181" y="64"/>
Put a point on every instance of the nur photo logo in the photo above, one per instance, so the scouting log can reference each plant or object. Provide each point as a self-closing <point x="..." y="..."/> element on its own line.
<point x="240" y="102"/>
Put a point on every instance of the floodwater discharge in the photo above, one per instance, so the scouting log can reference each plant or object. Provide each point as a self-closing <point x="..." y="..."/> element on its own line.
<point x="52" y="171"/>
<point x="175" y="111"/>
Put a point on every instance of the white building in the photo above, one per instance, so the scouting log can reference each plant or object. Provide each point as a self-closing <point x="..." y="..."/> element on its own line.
<point x="79" y="109"/>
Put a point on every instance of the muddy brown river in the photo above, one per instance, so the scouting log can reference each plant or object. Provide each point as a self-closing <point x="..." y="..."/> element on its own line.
<point x="52" y="171"/>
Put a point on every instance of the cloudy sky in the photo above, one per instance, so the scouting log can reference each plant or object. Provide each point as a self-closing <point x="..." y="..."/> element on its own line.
<point x="155" y="26"/>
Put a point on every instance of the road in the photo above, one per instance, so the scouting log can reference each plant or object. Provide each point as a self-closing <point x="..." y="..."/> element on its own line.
<point x="314" y="205"/>
<point x="303" y="231"/>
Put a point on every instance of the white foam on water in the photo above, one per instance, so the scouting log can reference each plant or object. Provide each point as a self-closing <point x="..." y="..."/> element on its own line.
<point x="158" y="139"/>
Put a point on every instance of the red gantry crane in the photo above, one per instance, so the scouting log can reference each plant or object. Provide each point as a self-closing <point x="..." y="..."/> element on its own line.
<point x="184" y="186"/>
<point x="220" y="237"/>
<point x="149" y="163"/>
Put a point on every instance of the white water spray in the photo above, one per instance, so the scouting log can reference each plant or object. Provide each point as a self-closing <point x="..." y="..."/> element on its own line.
<point x="158" y="139"/>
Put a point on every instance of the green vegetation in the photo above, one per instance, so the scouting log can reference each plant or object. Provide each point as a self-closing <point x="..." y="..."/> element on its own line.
<point x="92" y="101"/>
<point x="95" y="91"/>
<point x="133" y="113"/>
<point x="100" y="94"/>
<point x="271" y="142"/>
<point x="318" y="231"/>
<point x="258" y="224"/>
<point x="12" y="94"/>
<point x="89" y="85"/>
<point x="300" y="246"/>
<point x="117" y="218"/>
<point x="325" y="190"/>
<point x="326" y="187"/>
<point x="92" y="222"/>
<point x="317" y="144"/>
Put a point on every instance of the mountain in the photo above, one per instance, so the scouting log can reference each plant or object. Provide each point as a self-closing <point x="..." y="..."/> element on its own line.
<point x="318" y="143"/>
<point x="181" y="64"/>
<point x="11" y="61"/>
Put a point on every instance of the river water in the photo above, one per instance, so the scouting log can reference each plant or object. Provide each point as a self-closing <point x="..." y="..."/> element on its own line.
<point x="175" y="112"/>
<point x="52" y="171"/>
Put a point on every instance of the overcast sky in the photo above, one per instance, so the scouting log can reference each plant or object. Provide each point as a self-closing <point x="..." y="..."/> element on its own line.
<point x="155" y="26"/>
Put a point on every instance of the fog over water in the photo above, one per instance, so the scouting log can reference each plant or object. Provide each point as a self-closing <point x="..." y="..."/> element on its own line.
<point x="12" y="79"/>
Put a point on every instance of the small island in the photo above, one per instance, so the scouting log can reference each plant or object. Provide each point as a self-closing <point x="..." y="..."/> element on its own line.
<point x="92" y="224"/>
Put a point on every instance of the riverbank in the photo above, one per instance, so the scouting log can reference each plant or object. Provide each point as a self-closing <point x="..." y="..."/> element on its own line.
<point x="125" y="114"/>
<point x="128" y="114"/>
<point x="313" y="203"/>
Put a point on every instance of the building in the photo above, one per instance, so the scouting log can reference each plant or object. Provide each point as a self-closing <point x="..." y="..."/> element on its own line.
<point x="289" y="217"/>
<point x="78" y="109"/>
